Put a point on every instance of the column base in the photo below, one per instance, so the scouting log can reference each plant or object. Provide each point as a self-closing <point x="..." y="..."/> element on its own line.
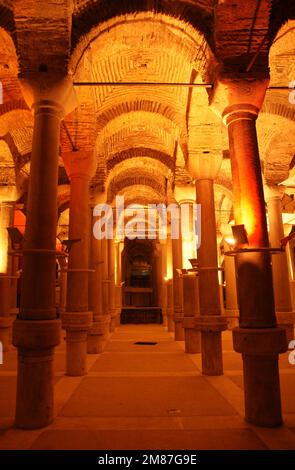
<point x="211" y="327"/>
<point x="76" y="325"/>
<point x="118" y="317"/>
<point x="164" y="316"/>
<point x="178" y="326"/>
<point x="95" y="344"/>
<point x="113" y="324"/>
<point x="179" y="330"/>
<point x="260" y="349"/>
<point x="97" y="335"/>
<point x="170" y="321"/>
<point x="192" y="336"/>
<point x="35" y="341"/>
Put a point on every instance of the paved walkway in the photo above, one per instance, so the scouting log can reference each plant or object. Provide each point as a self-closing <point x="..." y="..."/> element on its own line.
<point x="147" y="397"/>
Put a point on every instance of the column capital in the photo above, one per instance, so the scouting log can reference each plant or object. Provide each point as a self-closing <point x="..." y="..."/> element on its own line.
<point x="204" y="166"/>
<point x="79" y="164"/>
<point x="273" y="191"/>
<point x="238" y="95"/>
<point x="46" y="90"/>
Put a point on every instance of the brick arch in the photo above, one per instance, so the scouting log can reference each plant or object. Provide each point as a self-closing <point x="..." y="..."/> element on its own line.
<point x="143" y="195"/>
<point x="156" y="107"/>
<point x="188" y="43"/>
<point x="279" y="106"/>
<point x="88" y="14"/>
<point x="142" y="152"/>
<point x="146" y="136"/>
<point x="132" y="178"/>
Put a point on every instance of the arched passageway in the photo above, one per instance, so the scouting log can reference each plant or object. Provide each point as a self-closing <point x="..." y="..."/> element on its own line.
<point x="139" y="325"/>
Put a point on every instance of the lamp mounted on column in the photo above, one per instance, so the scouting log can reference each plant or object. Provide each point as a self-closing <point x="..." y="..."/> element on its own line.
<point x="16" y="237"/>
<point x="240" y="235"/>
<point x="69" y="243"/>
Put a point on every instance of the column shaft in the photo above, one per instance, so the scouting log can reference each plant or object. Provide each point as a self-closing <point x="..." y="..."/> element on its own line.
<point x="170" y="301"/>
<point x="37" y="330"/>
<point x="283" y="302"/>
<point x="96" y="335"/>
<point x="231" y="297"/>
<point x="105" y="283"/>
<point x="211" y="321"/>
<point x="177" y="289"/>
<point x="112" y="296"/>
<point x="77" y="319"/>
<point x="257" y="339"/>
<point x="191" y="311"/>
<point x="6" y="278"/>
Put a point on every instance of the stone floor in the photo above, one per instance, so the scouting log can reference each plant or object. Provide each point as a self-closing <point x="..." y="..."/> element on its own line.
<point x="147" y="397"/>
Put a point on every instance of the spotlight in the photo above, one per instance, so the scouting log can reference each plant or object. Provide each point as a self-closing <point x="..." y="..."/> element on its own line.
<point x="231" y="241"/>
<point x="240" y="235"/>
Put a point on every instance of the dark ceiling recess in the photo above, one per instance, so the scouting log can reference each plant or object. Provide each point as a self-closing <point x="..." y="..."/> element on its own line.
<point x="94" y="13"/>
<point x="7" y="21"/>
<point x="281" y="12"/>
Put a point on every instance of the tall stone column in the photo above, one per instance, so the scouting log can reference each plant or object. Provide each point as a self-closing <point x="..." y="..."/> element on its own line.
<point x="169" y="287"/>
<point x="94" y="335"/>
<point x="77" y="320"/>
<point x="111" y="284"/>
<point x="211" y="323"/>
<point x="37" y="331"/>
<point x="258" y="339"/>
<point x="163" y="276"/>
<point x="98" y="333"/>
<point x="6" y="277"/>
<point x="105" y="284"/>
<point x="177" y="289"/>
<point x="118" y="280"/>
<point x="283" y="303"/>
<point x="169" y="307"/>
<point x="231" y="297"/>
<point x="191" y="313"/>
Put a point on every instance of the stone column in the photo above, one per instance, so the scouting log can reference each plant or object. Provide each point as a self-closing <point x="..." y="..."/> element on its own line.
<point x="232" y="307"/>
<point x="95" y="333"/>
<point x="169" y="307"/>
<point x="6" y="278"/>
<point x="37" y="331"/>
<point x="258" y="338"/>
<point x="163" y="277"/>
<point x="63" y="289"/>
<point x="105" y="284"/>
<point x="177" y="289"/>
<point x="191" y="309"/>
<point x="169" y="287"/>
<point x="283" y="303"/>
<point x="211" y="323"/>
<point x="118" y="281"/>
<point x="112" y="293"/>
<point x="77" y="320"/>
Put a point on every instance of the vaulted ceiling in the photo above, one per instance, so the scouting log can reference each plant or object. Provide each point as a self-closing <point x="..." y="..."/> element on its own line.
<point x="142" y="135"/>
